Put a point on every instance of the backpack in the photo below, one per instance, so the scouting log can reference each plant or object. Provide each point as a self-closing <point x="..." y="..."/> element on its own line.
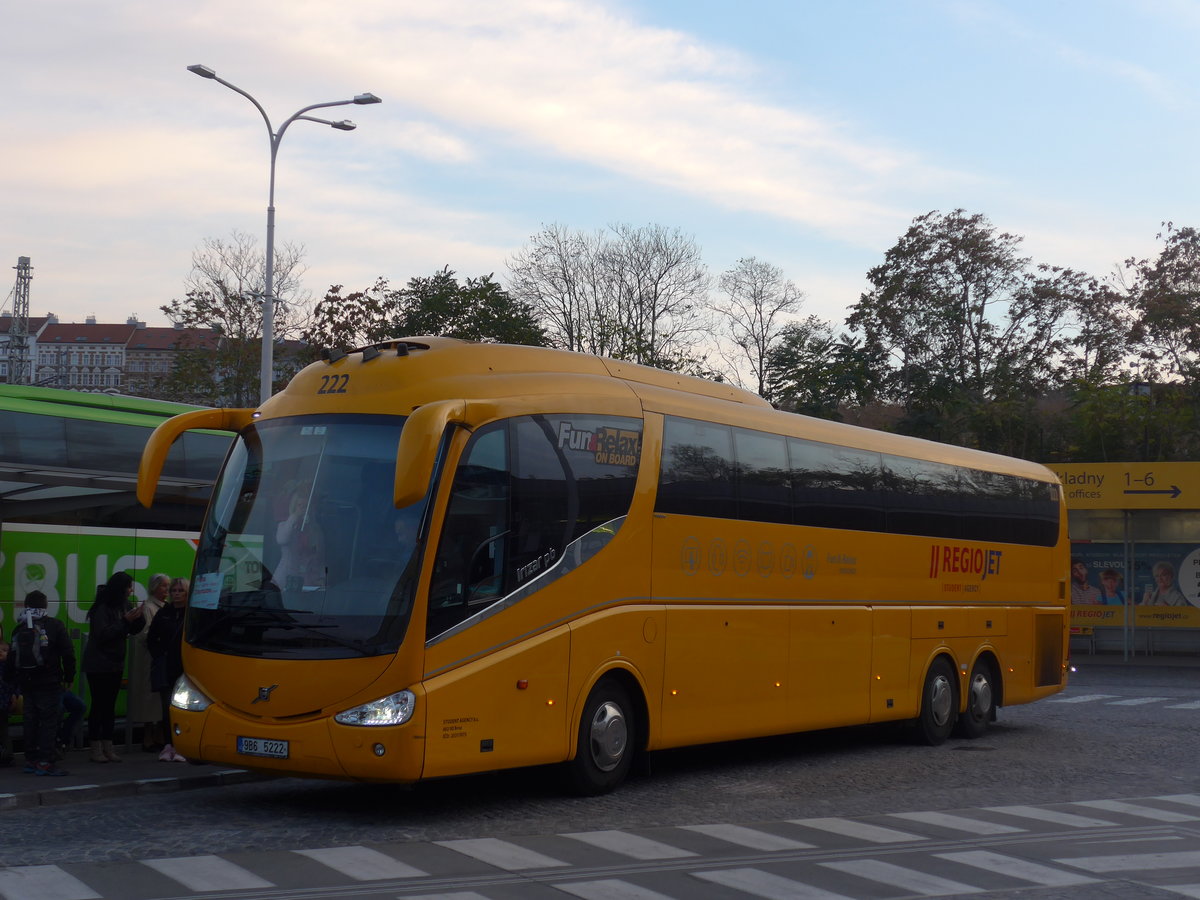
<point x="27" y="647"/>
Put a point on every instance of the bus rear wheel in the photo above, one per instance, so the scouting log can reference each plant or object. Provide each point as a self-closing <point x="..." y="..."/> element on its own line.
<point x="939" y="704"/>
<point x="607" y="732"/>
<point x="981" y="702"/>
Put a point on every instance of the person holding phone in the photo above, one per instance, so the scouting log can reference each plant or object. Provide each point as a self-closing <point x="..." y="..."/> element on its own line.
<point x="112" y="618"/>
<point x="1164" y="591"/>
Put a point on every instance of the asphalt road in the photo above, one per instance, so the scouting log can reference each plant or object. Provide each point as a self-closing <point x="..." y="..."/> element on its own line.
<point x="1136" y="738"/>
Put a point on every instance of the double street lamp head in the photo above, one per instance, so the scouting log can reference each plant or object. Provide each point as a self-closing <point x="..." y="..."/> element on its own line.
<point x="359" y="99"/>
<point x="266" y="372"/>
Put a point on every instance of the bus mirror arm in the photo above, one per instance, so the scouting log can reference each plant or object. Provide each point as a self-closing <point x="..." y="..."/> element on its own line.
<point x="154" y="455"/>
<point x="417" y="450"/>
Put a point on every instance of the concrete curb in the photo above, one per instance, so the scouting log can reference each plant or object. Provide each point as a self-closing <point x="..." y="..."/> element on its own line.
<point x="81" y="793"/>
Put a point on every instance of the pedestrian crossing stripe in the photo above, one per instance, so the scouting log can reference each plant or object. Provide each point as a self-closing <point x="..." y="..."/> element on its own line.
<point x="683" y="859"/>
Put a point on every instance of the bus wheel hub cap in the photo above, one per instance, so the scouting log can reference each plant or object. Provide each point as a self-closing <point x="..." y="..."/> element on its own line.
<point x="608" y="736"/>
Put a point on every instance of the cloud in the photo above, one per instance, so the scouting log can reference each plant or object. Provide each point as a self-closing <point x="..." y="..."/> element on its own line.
<point x="496" y="117"/>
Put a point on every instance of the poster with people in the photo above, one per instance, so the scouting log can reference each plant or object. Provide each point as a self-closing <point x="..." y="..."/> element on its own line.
<point x="1163" y="586"/>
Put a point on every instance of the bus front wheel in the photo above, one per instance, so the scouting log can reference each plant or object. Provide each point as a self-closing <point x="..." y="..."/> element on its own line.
<point x="604" y="750"/>
<point x="939" y="704"/>
<point x="981" y="702"/>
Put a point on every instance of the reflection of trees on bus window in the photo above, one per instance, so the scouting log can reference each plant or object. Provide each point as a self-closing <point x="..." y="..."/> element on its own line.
<point x="525" y="491"/>
<point x="727" y="472"/>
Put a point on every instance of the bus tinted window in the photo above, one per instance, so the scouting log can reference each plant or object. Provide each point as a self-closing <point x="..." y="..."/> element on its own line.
<point x="602" y="455"/>
<point x="830" y="486"/>
<point x="921" y="497"/>
<point x="100" y="445"/>
<point x="697" y="469"/>
<point x="763" y="481"/>
<point x="504" y="535"/>
<point x="540" y="524"/>
<point x="469" y="569"/>
<point x="836" y="487"/>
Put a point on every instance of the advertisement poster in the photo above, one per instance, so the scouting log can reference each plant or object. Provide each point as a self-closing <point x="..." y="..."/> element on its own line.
<point x="1161" y="590"/>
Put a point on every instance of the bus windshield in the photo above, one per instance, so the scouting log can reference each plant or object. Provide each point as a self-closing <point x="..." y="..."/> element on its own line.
<point x="302" y="555"/>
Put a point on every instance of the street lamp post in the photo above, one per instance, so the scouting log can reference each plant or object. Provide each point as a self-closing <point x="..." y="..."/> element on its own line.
<point x="268" y="300"/>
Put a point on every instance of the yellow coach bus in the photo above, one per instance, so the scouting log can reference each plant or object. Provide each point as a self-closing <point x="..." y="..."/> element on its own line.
<point x="430" y="557"/>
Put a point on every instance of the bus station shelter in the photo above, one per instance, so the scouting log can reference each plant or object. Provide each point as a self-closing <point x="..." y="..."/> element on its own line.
<point x="1135" y="554"/>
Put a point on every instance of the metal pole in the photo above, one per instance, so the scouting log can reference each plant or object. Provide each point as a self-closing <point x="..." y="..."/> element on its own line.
<point x="267" y="364"/>
<point x="267" y="367"/>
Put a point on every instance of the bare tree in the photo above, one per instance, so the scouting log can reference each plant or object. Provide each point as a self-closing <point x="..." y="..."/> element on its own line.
<point x="564" y="276"/>
<point x="662" y="294"/>
<point x="224" y="294"/>
<point x="759" y="299"/>
<point x="632" y="293"/>
<point x="233" y="273"/>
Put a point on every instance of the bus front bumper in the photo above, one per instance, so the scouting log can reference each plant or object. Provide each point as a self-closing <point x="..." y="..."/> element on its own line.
<point x="313" y="748"/>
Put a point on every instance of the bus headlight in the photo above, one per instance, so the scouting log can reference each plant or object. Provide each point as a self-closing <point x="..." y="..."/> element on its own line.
<point x="187" y="696"/>
<point x="395" y="709"/>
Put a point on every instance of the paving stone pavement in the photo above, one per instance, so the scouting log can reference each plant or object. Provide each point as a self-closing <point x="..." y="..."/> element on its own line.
<point x="139" y="772"/>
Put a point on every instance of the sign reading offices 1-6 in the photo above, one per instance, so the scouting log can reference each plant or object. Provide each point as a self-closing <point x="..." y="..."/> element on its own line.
<point x="67" y="563"/>
<point x="1130" y="485"/>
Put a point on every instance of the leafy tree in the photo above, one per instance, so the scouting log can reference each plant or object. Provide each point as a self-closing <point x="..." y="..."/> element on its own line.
<point x="817" y="373"/>
<point x="355" y="320"/>
<point x="969" y="333"/>
<point x="477" y="310"/>
<point x="758" y="300"/>
<point x="1166" y="293"/>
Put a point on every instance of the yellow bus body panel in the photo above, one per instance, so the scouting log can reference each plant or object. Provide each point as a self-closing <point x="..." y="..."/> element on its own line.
<point x="506" y="709"/>
<point x="721" y="628"/>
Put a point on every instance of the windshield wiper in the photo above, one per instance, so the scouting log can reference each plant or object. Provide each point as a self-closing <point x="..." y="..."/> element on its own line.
<point x="317" y="629"/>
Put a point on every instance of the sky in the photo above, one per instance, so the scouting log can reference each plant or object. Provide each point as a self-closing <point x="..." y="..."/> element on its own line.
<point x="808" y="134"/>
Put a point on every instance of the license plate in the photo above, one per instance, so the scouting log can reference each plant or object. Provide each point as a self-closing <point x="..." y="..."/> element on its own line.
<point x="250" y="746"/>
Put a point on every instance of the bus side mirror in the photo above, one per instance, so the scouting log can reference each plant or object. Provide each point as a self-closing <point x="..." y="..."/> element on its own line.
<point x="155" y="453"/>
<point x="418" y="448"/>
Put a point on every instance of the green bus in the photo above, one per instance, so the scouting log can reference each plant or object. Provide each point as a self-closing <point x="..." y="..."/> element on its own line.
<point x="69" y="517"/>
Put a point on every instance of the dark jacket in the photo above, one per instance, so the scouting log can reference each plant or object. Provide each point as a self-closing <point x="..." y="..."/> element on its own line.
<point x="58" y="657"/>
<point x="165" y="643"/>
<point x="108" y="634"/>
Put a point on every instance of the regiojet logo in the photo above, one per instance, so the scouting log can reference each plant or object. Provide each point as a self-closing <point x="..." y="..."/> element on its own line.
<point x="947" y="559"/>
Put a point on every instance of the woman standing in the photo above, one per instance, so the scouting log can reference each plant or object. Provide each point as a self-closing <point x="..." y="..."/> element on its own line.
<point x="111" y="620"/>
<point x="165" y="643"/>
<point x="143" y="702"/>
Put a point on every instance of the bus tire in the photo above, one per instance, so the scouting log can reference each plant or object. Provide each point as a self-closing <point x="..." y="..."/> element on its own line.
<point x="981" y="702"/>
<point x="939" y="704"/>
<point x="604" y="750"/>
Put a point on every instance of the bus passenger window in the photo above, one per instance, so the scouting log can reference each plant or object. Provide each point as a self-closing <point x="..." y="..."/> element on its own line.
<point x="471" y="548"/>
<point x="836" y="487"/>
<point x="763" y="480"/>
<point x="533" y="498"/>
<point x="696" y="477"/>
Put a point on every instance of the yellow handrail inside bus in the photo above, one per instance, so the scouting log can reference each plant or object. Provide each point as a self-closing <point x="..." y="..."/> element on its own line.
<point x="155" y="453"/>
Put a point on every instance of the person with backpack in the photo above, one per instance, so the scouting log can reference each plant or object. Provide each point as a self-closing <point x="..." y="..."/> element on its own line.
<point x="40" y="661"/>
